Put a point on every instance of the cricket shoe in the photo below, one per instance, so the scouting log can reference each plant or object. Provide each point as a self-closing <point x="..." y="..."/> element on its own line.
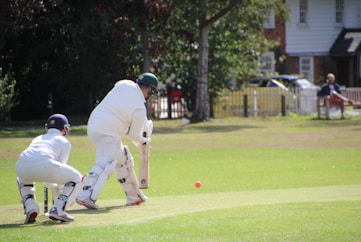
<point x="131" y="202"/>
<point x="31" y="217"/>
<point x="88" y="203"/>
<point x="53" y="215"/>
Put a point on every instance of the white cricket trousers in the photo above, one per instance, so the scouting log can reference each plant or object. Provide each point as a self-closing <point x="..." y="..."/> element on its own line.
<point x="46" y="170"/>
<point x="107" y="147"/>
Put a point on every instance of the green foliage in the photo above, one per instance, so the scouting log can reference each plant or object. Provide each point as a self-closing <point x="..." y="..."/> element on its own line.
<point x="77" y="50"/>
<point x="8" y="95"/>
<point x="235" y="42"/>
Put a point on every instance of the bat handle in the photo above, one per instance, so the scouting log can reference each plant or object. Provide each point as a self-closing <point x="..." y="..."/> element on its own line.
<point x="145" y="136"/>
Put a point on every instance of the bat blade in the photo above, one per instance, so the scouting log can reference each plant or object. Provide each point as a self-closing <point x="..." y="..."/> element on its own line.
<point x="144" y="166"/>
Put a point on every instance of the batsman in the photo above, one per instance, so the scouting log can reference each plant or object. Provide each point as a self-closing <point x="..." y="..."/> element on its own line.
<point x="122" y="111"/>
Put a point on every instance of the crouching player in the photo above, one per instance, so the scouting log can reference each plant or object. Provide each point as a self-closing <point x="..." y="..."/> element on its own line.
<point x="45" y="161"/>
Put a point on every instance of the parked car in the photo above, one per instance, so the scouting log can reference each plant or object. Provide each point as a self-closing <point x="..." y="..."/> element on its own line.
<point x="304" y="84"/>
<point x="274" y="83"/>
<point x="288" y="81"/>
<point x="260" y="81"/>
<point x="303" y="90"/>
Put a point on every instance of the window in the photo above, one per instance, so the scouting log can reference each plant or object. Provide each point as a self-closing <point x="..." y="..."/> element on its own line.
<point x="266" y="64"/>
<point x="359" y="66"/>
<point x="270" y="20"/>
<point x="306" y="67"/>
<point x="303" y="12"/>
<point x="268" y="13"/>
<point x="339" y="11"/>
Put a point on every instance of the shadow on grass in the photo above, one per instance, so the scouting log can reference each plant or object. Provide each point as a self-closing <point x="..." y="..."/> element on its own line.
<point x="97" y="211"/>
<point x="335" y="122"/>
<point x="202" y="128"/>
<point x="205" y="127"/>
<point x="40" y="222"/>
<point x="31" y="132"/>
<point x="45" y="221"/>
<point x="21" y="132"/>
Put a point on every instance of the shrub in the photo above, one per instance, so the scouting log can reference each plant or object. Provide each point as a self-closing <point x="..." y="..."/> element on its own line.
<point x="8" y="95"/>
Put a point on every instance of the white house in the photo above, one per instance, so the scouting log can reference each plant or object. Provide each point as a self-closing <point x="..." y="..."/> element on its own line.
<point x="321" y="36"/>
<point x="315" y="27"/>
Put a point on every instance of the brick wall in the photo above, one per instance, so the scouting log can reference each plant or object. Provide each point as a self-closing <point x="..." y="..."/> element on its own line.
<point x="278" y="33"/>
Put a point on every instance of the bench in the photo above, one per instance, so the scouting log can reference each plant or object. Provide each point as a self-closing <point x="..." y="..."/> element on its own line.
<point x="353" y="93"/>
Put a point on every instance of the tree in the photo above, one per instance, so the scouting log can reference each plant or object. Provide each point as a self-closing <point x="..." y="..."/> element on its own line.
<point x="77" y="49"/>
<point x="205" y="15"/>
<point x="74" y="51"/>
<point x="8" y="95"/>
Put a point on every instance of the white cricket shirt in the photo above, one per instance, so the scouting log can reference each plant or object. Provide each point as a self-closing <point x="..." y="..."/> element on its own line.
<point x="121" y="109"/>
<point x="52" y="145"/>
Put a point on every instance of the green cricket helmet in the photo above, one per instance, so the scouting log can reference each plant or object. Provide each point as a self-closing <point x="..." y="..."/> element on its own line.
<point x="149" y="79"/>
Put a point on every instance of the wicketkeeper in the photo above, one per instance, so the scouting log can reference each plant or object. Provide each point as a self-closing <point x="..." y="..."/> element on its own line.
<point x="45" y="161"/>
<point x="121" y="111"/>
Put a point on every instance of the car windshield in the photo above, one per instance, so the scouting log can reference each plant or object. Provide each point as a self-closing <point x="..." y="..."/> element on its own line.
<point x="304" y="83"/>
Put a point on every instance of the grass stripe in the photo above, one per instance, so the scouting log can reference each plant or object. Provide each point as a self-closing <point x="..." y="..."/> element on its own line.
<point x="112" y="213"/>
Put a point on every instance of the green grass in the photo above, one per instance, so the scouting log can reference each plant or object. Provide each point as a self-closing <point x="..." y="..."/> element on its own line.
<point x="266" y="179"/>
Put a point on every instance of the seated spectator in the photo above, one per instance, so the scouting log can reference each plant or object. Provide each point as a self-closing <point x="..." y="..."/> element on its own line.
<point x="333" y="94"/>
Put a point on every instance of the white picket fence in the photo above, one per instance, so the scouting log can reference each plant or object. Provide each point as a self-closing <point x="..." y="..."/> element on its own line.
<point x="261" y="101"/>
<point x="265" y="102"/>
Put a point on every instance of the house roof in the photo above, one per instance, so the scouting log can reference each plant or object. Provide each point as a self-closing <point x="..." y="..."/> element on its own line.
<point x="347" y="43"/>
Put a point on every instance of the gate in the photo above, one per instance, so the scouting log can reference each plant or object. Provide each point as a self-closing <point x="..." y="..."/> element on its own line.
<point x="168" y="106"/>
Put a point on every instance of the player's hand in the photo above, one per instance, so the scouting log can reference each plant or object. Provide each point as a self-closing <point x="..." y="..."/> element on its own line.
<point x="146" y="140"/>
<point x="143" y="141"/>
<point x="148" y="127"/>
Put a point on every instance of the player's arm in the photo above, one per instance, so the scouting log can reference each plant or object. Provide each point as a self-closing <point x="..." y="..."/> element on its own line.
<point x="137" y="128"/>
<point x="324" y="91"/>
<point x="65" y="151"/>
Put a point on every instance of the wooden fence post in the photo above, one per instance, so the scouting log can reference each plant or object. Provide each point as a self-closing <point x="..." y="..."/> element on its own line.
<point x="283" y="105"/>
<point x="169" y="104"/>
<point x="245" y="105"/>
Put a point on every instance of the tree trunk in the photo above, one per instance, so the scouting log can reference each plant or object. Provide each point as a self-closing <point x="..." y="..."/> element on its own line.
<point x="201" y="113"/>
<point x="146" y="56"/>
<point x="146" y="68"/>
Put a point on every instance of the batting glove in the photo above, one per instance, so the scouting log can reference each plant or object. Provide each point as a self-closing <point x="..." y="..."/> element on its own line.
<point x="148" y="127"/>
<point x="146" y="140"/>
<point x="143" y="141"/>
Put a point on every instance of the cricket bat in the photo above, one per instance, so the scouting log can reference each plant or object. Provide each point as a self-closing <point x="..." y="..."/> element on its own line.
<point x="144" y="165"/>
<point x="144" y="158"/>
